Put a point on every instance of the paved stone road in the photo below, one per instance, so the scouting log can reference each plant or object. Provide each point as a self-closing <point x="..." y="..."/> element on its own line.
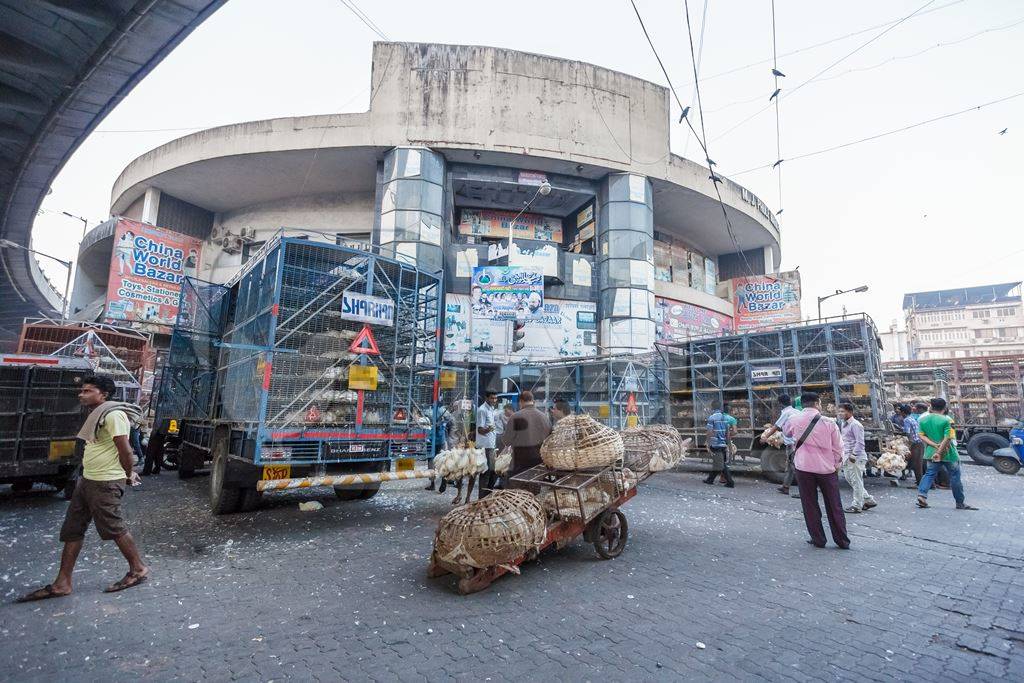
<point x="341" y="593"/>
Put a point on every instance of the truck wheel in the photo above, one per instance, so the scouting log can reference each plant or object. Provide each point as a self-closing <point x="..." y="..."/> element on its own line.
<point x="249" y="499"/>
<point x="21" y="486"/>
<point x="773" y="464"/>
<point x="369" y="492"/>
<point x="223" y="500"/>
<point x="981" y="447"/>
<point x="1006" y="465"/>
<point x="348" y="493"/>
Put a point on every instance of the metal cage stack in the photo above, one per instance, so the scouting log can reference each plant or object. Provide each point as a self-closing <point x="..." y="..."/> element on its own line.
<point x="609" y="388"/>
<point x="837" y="358"/>
<point x="284" y="356"/>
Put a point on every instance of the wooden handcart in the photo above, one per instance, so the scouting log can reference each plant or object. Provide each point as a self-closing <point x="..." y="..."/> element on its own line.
<point x="601" y="523"/>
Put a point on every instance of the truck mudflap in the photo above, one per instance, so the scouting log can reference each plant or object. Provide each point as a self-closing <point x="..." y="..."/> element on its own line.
<point x="342" y="480"/>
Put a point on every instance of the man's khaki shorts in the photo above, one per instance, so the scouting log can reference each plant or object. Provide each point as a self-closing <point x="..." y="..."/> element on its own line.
<point x="95" y="501"/>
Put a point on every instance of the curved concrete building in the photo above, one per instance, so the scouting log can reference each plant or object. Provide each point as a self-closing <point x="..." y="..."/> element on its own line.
<point x="457" y="139"/>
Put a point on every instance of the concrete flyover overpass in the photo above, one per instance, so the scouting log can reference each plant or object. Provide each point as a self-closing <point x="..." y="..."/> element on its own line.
<point x="64" y="65"/>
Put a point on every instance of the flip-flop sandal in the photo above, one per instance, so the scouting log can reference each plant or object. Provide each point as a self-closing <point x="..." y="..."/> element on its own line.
<point x="44" y="593"/>
<point x="922" y="502"/>
<point x="130" y="580"/>
<point x="852" y="510"/>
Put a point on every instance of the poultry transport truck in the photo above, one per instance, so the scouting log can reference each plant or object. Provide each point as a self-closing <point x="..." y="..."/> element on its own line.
<point x="315" y="365"/>
<point x="838" y="358"/>
<point x="985" y="394"/>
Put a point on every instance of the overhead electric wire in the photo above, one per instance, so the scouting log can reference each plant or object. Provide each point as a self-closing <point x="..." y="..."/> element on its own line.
<point x="715" y="180"/>
<point x="760" y="97"/>
<point x="827" y="68"/>
<point x="363" y="17"/>
<point x="778" y="127"/>
<point x="884" y="134"/>
<point x="700" y="58"/>
<point x="825" y="42"/>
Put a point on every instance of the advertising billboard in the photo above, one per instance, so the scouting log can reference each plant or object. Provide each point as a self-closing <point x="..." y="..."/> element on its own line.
<point x="531" y="226"/>
<point x="507" y="292"/>
<point x="564" y="329"/>
<point x="146" y="270"/>
<point x="677" y="320"/>
<point x="767" y="300"/>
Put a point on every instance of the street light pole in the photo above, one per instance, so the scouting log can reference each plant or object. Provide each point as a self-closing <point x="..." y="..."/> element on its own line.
<point x="66" y="308"/>
<point x="542" y="191"/>
<point x="862" y="288"/>
<point x="85" y="223"/>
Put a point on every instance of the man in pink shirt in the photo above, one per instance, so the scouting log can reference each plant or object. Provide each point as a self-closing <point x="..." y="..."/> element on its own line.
<point x="817" y="459"/>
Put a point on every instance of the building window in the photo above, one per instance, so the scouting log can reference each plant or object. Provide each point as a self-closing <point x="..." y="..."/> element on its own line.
<point x="982" y="313"/>
<point x="1006" y="312"/>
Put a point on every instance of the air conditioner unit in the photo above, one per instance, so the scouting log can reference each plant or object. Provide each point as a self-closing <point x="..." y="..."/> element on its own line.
<point x="248" y="234"/>
<point x="231" y="244"/>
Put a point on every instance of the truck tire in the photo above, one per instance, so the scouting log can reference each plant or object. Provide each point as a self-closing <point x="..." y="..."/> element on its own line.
<point x="22" y="486"/>
<point x="1006" y="465"/>
<point x="981" y="446"/>
<point x="348" y="493"/>
<point x="369" y="492"/>
<point x="773" y="464"/>
<point x="223" y="499"/>
<point x="249" y="499"/>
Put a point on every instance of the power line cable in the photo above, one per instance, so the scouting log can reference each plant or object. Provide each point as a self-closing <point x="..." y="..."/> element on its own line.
<point x="700" y="60"/>
<point x="876" y="136"/>
<point x="896" y="58"/>
<point x="362" y="16"/>
<point x="715" y="180"/>
<point x="778" y="126"/>
<point x="826" y="69"/>
<point x="825" y="42"/>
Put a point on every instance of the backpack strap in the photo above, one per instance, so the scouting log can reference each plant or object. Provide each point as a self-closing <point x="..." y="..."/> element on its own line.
<point x="807" y="433"/>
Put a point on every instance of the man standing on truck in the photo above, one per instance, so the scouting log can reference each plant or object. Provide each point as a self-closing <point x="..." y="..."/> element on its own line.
<point x="938" y="434"/>
<point x="720" y="430"/>
<point x="818" y="455"/>
<point x="788" y="411"/>
<point x="106" y="468"/>
<point x="851" y="433"/>
<point x="486" y="438"/>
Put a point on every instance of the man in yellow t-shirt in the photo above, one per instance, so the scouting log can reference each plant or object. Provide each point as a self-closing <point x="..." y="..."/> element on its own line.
<point x="106" y="466"/>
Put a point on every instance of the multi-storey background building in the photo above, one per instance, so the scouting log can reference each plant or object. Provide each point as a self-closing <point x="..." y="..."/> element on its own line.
<point x="961" y="323"/>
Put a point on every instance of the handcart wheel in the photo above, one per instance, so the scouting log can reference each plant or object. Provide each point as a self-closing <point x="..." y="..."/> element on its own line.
<point x="612" y="534"/>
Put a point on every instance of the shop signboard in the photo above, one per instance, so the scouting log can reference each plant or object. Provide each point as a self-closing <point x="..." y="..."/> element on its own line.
<point x="507" y="292"/>
<point x="146" y="271"/>
<point x="565" y="329"/>
<point x="767" y="300"/>
<point x="677" y="320"/>
<point x="531" y="226"/>
<point x="374" y="310"/>
<point x="766" y="374"/>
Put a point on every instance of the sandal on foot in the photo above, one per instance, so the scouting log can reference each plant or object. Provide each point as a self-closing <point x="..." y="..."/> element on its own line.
<point x="130" y="580"/>
<point x="44" y="593"/>
<point x="852" y="509"/>
<point x="965" y="506"/>
<point x="868" y="505"/>
<point x="922" y="502"/>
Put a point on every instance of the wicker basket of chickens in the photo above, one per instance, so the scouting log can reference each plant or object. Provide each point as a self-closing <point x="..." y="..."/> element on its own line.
<point x="892" y="463"/>
<point x="492" y="531"/>
<point x="580" y="442"/>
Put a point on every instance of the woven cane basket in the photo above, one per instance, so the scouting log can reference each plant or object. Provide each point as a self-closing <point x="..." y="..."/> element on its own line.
<point x="492" y="531"/>
<point x="580" y="442"/>
<point x="639" y="447"/>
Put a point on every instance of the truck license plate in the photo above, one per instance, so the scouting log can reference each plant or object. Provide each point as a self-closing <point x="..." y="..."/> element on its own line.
<point x="276" y="472"/>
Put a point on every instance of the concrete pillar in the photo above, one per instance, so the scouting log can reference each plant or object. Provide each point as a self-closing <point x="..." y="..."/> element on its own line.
<point x="625" y="263"/>
<point x="410" y="224"/>
<point x="151" y="205"/>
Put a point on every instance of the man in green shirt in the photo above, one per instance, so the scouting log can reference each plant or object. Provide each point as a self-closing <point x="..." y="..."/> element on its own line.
<point x="106" y="468"/>
<point x="937" y="433"/>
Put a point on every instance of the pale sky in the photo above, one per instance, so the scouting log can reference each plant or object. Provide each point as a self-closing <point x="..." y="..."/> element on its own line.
<point x="930" y="208"/>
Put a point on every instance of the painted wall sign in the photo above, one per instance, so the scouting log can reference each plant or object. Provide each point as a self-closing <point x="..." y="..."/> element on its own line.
<point x="765" y="374"/>
<point x="678" y="320"/>
<point x="368" y="309"/>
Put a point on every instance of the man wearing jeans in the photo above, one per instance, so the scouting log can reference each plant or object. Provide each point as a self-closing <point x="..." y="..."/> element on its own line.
<point x="720" y="428"/>
<point x="937" y="433"/>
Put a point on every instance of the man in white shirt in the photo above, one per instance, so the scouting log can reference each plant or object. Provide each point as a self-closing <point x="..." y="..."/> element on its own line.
<point x="486" y="438"/>
<point x="788" y="411"/>
<point x="851" y="435"/>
